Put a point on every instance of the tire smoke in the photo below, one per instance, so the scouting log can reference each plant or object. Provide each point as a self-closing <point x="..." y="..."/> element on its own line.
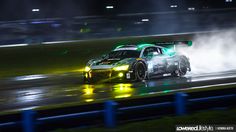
<point x="215" y="52"/>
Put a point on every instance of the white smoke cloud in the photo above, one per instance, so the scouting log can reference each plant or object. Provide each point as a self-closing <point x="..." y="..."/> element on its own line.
<point x="215" y="52"/>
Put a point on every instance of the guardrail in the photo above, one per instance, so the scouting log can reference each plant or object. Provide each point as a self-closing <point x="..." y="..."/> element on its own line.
<point x="111" y="109"/>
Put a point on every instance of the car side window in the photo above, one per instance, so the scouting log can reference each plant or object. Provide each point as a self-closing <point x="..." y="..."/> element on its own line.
<point x="150" y="50"/>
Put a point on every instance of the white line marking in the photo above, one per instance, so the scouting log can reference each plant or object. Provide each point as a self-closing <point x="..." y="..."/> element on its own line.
<point x="213" y="85"/>
<point x="29" y="77"/>
<point x="57" y="42"/>
<point x="197" y="87"/>
<point x="211" y="78"/>
<point x="13" y="45"/>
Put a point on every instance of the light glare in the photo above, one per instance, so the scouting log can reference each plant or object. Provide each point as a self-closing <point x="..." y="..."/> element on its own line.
<point x="121" y="68"/>
<point x="35" y="10"/>
<point x="145" y="20"/>
<point x="87" y="69"/>
<point x="121" y="74"/>
<point x="110" y="7"/>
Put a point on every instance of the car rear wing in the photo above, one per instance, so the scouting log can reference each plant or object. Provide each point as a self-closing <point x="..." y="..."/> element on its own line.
<point x="172" y="43"/>
<point x="171" y="47"/>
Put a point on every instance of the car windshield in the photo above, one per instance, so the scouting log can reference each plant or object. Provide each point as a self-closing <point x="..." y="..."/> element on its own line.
<point x="121" y="54"/>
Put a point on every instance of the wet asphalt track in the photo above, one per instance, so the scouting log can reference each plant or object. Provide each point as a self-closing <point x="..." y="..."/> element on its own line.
<point x="39" y="90"/>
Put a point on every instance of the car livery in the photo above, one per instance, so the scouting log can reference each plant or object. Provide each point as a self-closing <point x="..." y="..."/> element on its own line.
<point x="137" y="63"/>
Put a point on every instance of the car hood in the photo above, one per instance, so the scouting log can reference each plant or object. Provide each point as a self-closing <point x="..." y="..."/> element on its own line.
<point x="109" y="63"/>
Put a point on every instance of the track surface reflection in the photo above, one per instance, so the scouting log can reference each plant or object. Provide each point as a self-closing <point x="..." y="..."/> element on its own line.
<point x="25" y="94"/>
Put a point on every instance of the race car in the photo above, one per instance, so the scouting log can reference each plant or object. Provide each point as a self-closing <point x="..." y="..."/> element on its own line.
<point x="136" y="63"/>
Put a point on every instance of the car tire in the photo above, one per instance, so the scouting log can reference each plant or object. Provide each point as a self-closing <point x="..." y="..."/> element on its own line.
<point x="86" y="80"/>
<point x="140" y="71"/>
<point x="181" y="69"/>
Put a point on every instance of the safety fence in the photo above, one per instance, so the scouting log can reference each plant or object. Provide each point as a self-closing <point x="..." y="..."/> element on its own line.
<point x="111" y="110"/>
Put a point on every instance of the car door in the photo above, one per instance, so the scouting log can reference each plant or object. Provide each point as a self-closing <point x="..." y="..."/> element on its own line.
<point x="170" y="60"/>
<point x="154" y="59"/>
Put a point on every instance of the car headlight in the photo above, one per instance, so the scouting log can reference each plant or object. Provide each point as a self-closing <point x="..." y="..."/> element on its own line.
<point x="87" y="69"/>
<point x="121" y="68"/>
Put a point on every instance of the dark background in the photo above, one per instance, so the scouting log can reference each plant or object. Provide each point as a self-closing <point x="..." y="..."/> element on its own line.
<point x="66" y="20"/>
<point x="22" y="9"/>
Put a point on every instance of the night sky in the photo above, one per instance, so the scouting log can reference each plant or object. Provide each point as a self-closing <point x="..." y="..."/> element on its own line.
<point x="22" y="9"/>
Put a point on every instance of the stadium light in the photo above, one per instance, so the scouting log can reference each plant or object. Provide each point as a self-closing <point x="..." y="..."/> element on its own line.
<point x="145" y="20"/>
<point x="110" y="7"/>
<point x="191" y="8"/>
<point x="228" y="0"/>
<point x="35" y="10"/>
<point x="173" y="6"/>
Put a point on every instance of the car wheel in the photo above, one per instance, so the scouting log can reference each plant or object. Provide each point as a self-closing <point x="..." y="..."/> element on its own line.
<point x="140" y="71"/>
<point x="86" y="80"/>
<point x="181" y="68"/>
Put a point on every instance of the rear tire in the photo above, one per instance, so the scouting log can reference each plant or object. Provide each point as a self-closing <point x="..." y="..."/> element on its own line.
<point x="181" y="69"/>
<point x="140" y="71"/>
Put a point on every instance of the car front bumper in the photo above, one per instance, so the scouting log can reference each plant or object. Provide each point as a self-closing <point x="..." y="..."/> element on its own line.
<point x="108" y="75"/>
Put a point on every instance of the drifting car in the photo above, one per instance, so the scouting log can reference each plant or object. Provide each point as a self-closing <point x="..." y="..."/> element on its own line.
<point x="137" y="63"/>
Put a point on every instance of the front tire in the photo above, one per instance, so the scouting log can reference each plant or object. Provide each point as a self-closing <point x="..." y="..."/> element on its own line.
<point x="140" y="71"/>
<point x="85" y="80"/>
